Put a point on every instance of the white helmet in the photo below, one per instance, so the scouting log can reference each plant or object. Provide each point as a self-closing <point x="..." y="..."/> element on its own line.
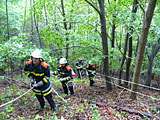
<point x="90" y="62"/>
<point x="62" y="61"/>
<point x="37" y="54"/>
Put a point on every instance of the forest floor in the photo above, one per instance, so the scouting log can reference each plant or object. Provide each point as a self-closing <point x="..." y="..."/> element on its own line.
<point x="88" y="103"/>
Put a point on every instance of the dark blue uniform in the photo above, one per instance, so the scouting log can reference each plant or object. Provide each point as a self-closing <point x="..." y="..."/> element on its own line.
<point x="91" y="70"/>
<point x="39" y="73"/>
<point x="79" y="66"/>
<point x="65" y="73"/>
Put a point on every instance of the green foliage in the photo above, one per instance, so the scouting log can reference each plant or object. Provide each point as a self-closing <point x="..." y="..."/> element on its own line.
<point x="94" y="112"/>
<point x="13" y="50"/>
<point x="83" y="29"/>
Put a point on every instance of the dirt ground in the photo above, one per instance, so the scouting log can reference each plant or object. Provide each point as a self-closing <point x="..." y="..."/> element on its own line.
<point x="88" y="103"/>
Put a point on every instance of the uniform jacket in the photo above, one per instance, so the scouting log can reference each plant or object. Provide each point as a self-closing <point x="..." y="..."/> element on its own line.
<point x="65" y="71"/>
<point x="39" y="73"/>
<point x="79" y="63"/>
<point x="90" y="69"/>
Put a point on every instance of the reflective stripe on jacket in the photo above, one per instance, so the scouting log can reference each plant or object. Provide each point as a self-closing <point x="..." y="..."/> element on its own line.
<point x="38" y="73"/>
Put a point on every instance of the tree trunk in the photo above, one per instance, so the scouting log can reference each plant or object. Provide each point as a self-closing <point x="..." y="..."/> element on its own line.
<point x="128" y="63"/>
<point x="31" y="22"/>
<point x="113" y="34"/>
<point x="123" y="60"/>
<point x="142" y="42"/>
<point x="155" y="49"/>
<point x="113" y="29"/>
<point x="45" y="12"/>
<point x="36" y="25"/>
<point x="101" y="12"/>
<point x="24" y="24"/>
<point x="105" y="44"/>
<point x="149" y="72"/>
<point x="65" y="27"/>
<point x="7" y="20"/>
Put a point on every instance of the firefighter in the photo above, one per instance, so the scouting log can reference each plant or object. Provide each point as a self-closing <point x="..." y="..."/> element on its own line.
<point x="65" y="75"/>
<point x="79" y="66"/>
<point x="91" y="72"/>
<point x="39" y="73"/>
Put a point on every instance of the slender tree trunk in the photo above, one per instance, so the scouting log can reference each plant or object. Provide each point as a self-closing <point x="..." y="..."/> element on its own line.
<point x="142" y="43"/>
<point x="7" y="19"/>
<point x="113" y="30"/>
<point x="104" y="43"/>
<point x="128" y="63"/>
<point x="36" y="25"/>
<point x="113" y="34"/>
<point x="149" y="72"/>
<point x="123" y="59"/>
<point x="65" y="26"/>
<point x="120" y="40"/>
<point x="155" y="49"/>
<point x="24" y="24"/>
<point x="31" y="22"/>
<point x="101" y="12"/>
<point x="45" y="12"/>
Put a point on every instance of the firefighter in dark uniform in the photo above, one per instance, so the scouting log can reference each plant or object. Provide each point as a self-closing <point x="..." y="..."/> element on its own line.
<point x="65" y="75"/>
<point x="91" y="72"/>
<point x="39" y="74"/>
<point x="79" y="66"/>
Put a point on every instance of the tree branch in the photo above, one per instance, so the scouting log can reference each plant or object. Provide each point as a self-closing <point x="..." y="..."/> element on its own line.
<point x="94" y="6"/>
<point x="147" y="50"/>
<point x="140" y="4"/>
<point x="76" y="46"/>
<point x="123" y="108"/>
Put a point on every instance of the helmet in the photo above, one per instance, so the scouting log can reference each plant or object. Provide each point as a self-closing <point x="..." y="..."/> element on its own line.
<point x="62" y="61"/>
<point x="37" y="54"/>
<point x="90" y="62"/>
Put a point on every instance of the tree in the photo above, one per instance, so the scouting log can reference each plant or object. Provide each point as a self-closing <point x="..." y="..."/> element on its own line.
<point x="7" y="19"/>
<point x="104" y="40"/>
<point x="65" y="26"/>
<point x="128" y="62"/>
<point x="151" y="56"/>
<point x="142" y="43"/>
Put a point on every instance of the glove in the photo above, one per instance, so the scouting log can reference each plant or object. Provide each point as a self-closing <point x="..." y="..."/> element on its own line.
<point x="38" y="84"/>
<point x="55" y="73"/>
<point x="93" y="73"/>
<point x="63" y="79"/>
<point x="86" y="73"/>
<point x="32" y="80"/>
<point x="79" y="67"/>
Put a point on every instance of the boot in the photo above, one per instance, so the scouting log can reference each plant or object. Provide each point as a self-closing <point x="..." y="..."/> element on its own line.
<point x="55" y="108"/>
<point x="71" y="90"/>
<point x="40" y="108"/>
<point x="91" y="82"/>
<point x="51" y="102"/>
<point x="65" y="89"/>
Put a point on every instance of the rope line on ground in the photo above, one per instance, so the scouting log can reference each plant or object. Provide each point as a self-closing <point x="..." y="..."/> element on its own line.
<point x="131" y="82"/>
<point x="129" y="89"/>
<point x="134" y="91"/>
<point x="16" y="98"/>
<point x="26" y="93"/>
<point x="59" y="96"/>
<point x="123" y="80"/>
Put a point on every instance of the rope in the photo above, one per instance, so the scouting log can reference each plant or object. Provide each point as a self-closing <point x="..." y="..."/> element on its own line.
<point x="131" y="82"/>
<point x="134" y="91"/>
<point x="15" y="98"/>
<point x="60" y="96"/>
<point x="130" y="89"/>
